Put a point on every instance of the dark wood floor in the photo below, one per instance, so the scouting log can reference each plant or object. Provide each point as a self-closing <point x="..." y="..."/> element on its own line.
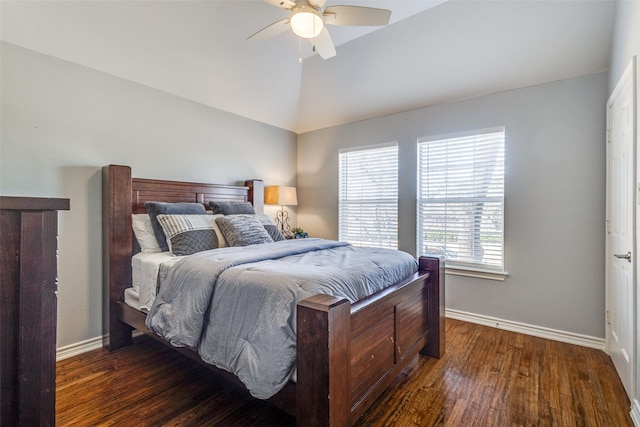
<point x="488" y="377"/>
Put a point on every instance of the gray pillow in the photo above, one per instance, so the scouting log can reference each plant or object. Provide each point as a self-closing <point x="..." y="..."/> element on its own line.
<point x="231" y="208"/>
<point x="188" y="234"/>
<point x="243" y="230"/>
<point x="274" y="232"/>
<point x="271" y="228"/>
<point x="158" y="208"/>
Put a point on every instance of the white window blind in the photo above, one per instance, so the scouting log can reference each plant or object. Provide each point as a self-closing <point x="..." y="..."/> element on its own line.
<point x="461" y="199"/>
<point x="368" y="196"/>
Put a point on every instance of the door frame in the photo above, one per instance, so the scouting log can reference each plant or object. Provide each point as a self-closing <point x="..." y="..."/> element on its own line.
<point x="629" y="73"/>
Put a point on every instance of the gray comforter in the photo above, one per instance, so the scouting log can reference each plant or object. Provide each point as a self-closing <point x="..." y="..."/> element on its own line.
<point x="236" y="306"/>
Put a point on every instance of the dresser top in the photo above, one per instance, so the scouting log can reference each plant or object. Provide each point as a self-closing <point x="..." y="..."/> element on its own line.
<point x="33" y="204"/>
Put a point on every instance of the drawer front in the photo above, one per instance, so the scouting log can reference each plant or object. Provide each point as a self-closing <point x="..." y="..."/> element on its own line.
<point x="411" y="323"/>
<point x="372" y="357"/>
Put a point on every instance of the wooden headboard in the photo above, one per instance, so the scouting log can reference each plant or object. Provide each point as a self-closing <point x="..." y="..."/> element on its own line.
<point x="122" y="196"/>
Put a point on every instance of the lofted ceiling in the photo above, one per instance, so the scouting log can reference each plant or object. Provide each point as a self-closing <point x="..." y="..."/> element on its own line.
<point x="433" y="51"/>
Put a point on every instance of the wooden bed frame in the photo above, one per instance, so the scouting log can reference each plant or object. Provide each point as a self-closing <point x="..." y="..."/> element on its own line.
<point x="347" y="354"/>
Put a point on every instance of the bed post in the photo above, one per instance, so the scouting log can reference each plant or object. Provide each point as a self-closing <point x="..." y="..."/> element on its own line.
<point x="436" y="308"/>
<point x="322" y="390"/>
<point x="256" y="194"/>
<point x="116" y="252"/>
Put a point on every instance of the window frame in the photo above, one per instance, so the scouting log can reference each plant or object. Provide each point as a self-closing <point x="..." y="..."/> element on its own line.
<point x="342" y="227"/>
<point x="463" y="268"/>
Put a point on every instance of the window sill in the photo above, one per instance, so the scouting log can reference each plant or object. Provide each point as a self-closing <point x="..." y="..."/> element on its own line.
<point x="477" y="273"/>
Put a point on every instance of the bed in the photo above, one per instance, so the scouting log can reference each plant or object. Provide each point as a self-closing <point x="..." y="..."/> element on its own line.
<point x="347" y="353"/>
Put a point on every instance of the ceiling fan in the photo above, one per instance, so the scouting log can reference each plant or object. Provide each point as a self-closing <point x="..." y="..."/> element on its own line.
<point x="307" y="20"/>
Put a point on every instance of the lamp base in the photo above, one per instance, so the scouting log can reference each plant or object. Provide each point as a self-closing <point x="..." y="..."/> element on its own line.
<point x="282" y="221"/>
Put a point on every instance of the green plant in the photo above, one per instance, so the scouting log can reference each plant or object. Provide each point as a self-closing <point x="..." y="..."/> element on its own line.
<point x="299" y="233"/>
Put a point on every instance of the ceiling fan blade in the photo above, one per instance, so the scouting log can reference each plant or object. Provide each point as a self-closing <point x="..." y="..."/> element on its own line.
<point x="324" y="45"/>
<point x="271" y="30"/>
<point x="284" y="4"/>
<point x="355" y="15"/>
<point x="317" y="3"/>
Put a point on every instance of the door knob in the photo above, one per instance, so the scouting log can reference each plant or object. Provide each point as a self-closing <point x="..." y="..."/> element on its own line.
<point x="626" y="256"/>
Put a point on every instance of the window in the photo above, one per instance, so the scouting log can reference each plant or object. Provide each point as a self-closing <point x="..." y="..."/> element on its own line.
<point x="368" y="196"/>
<point x="461" y="199"/>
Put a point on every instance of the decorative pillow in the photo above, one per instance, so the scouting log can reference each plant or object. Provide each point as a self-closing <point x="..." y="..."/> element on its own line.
<point x="274" y="232"/>
<point x="271" y="228"/>
<point x="158" y="208"/>
<point x="221" y="241"/>
<point x="188" y="234"/>
<point x="231" y="208"/>
<point x="243" y="230"/>
<point x="143" y="231"/>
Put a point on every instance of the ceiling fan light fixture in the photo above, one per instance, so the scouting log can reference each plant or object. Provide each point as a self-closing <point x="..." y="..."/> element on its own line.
<point x="306" y="22"/>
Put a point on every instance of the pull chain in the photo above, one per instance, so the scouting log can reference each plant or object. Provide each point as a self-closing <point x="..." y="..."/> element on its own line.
<point x="299" y="50"/>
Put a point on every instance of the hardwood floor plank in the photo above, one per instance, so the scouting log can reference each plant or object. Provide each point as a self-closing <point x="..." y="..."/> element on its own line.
<point x="488" y="377"/>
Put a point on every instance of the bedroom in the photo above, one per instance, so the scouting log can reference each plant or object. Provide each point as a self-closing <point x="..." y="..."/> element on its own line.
<point x="73" y="102"/>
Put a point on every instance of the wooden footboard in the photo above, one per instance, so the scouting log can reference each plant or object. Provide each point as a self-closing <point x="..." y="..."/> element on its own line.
<point x="351" y="353"/>
<point x="347" y="354"/>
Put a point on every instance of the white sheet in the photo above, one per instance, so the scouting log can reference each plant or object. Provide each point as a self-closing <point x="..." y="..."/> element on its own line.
<point x="131" y="298"/>
<point x="144" y="269"/>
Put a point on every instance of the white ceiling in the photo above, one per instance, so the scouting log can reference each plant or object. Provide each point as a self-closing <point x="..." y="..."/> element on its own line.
<point x="432" y="52"/>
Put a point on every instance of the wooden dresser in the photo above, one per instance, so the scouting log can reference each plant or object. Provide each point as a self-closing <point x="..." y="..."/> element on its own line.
<point x="28" y="301"/>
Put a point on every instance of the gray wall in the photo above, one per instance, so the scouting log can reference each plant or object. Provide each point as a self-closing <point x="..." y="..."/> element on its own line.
<point x="554" y="196"/>
<point x="626" y="38"/>
<point x="62" y="122"/>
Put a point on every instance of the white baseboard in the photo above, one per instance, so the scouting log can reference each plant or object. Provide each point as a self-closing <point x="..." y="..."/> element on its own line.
<point x="635" y="412"/>
<point x="523" y="328"/>
<point x="78" y="348"/>
<point x="83" y="347"/>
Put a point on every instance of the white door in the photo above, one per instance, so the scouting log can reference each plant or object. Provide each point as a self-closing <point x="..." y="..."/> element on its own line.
<point x="621" y="229"/>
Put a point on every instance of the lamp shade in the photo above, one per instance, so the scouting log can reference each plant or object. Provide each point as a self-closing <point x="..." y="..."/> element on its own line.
<point x="280" y="195"/>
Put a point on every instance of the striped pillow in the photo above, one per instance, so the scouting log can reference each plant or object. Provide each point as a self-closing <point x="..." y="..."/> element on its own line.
<point x="163" y="208"/>
<point x="188" y="234"/>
